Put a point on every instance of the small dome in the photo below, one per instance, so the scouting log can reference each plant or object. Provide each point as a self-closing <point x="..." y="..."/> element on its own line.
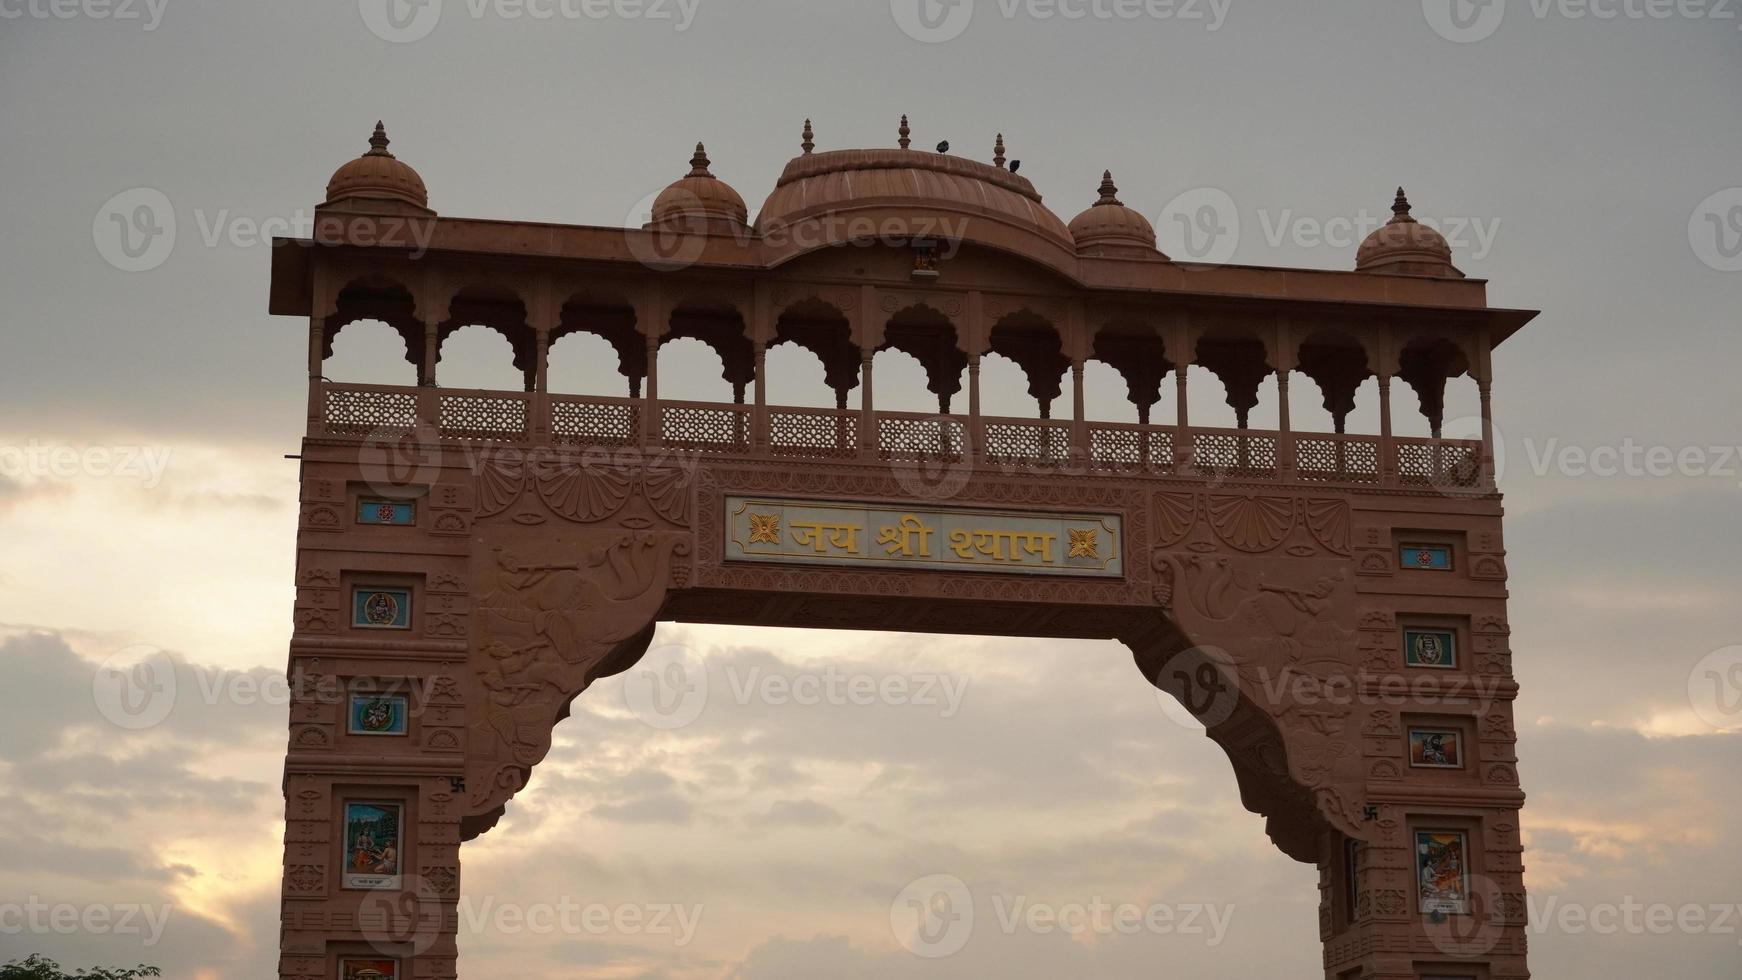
<point x="701" y="198"/>
<point x="1108" y="222"/>
<point x="1405" y="246"/>
<point x="377" y="178"/>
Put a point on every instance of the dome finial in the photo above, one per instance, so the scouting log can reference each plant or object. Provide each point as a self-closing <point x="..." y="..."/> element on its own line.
<point x="1400" y="207"/>
<point x="699" y="162"/>
<point x="810" y="142"/>
<point x="904" y="132"/>
<point x="998" y="152"/>
<point x="1109" y="191"/>
<point x="378" y="142"/>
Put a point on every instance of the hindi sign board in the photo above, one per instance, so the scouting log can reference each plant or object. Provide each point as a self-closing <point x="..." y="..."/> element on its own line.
<point x="956" y="539"/>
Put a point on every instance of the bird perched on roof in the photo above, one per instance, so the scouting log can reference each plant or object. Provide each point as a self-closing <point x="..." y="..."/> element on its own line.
<point x="944" y="147"/>
<point x="1015" y="165"/>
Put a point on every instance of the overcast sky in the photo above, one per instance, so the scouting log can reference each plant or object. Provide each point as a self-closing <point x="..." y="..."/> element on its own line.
<point x="1589" y="166"/>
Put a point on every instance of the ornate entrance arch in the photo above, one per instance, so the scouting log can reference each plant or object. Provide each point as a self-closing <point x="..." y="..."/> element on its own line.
<point x="470" y="561"/>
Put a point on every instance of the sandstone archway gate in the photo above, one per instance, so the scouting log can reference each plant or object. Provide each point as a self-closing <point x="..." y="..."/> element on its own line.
<point x="469" y="561"/>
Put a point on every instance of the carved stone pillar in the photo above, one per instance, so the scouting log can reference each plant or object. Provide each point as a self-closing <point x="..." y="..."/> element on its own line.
<point x="1387" y="448"/>
<point x="1182" y="436"/>
<point x="867" y="406"/>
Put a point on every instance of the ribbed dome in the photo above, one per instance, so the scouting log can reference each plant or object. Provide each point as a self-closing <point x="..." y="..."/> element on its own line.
<point x="376" y="178"/>
<point x="1405" y="246"/>
<point x="907" y="180"/>
<point x="1107" y="222"/>
<point x="700" y="198"/>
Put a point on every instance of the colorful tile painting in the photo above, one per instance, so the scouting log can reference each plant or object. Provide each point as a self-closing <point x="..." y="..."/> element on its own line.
<point x="1436" y="748"/>
<point x="381" y="609"/>
<point x="1430" y="648"/>
<point x="1425" y="557"/>
<point x="378" y="714"/>
<point x="1442" y="872"/>
<point x="373" y="511"/>
<point x="352" y="968"/>
<point x="372" y="852"/>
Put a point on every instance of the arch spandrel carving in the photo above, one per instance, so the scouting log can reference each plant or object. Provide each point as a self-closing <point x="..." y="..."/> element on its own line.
<point x="554" y="612"/>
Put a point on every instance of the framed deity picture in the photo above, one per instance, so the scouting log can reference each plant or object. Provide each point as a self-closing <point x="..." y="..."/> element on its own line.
<point x="1425" y="557"/>
<point x="1436" y="748"/>
<point x="381" y="608"/>
<point x="1442" y="864"/>
<point x="1430" y="648"/>
<point x="373" y="858"/>
<point x="368" y="968"/>
<point x="378" y="714"/>
<point x="372" y="510"/>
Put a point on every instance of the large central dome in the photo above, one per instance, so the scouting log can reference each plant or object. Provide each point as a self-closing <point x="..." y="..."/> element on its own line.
<point x="977" y="201"/>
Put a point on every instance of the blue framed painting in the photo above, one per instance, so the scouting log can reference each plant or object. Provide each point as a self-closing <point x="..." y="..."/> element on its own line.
<point x="1425" y="557"/>
<point x="378" y="714"/>
<point x="381" y="608"/>
<point x="1430" y="648"/>
<point x="373" y="858"/>
<point x="402" y="513"/>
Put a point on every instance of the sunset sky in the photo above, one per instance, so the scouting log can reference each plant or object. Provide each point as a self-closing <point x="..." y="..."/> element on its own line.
<point x="1592" y="167"/>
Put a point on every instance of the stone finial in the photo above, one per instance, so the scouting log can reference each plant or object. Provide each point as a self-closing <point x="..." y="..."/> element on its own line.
<point x="699" y="163"/>
<point x="1400" y="207"/>
<point x="378" y="142"/>
<point x="1109" y="191"/>
<point x="905" y="132"/>
<point x="810" y="142"/>
<point x="998" y="152"/>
